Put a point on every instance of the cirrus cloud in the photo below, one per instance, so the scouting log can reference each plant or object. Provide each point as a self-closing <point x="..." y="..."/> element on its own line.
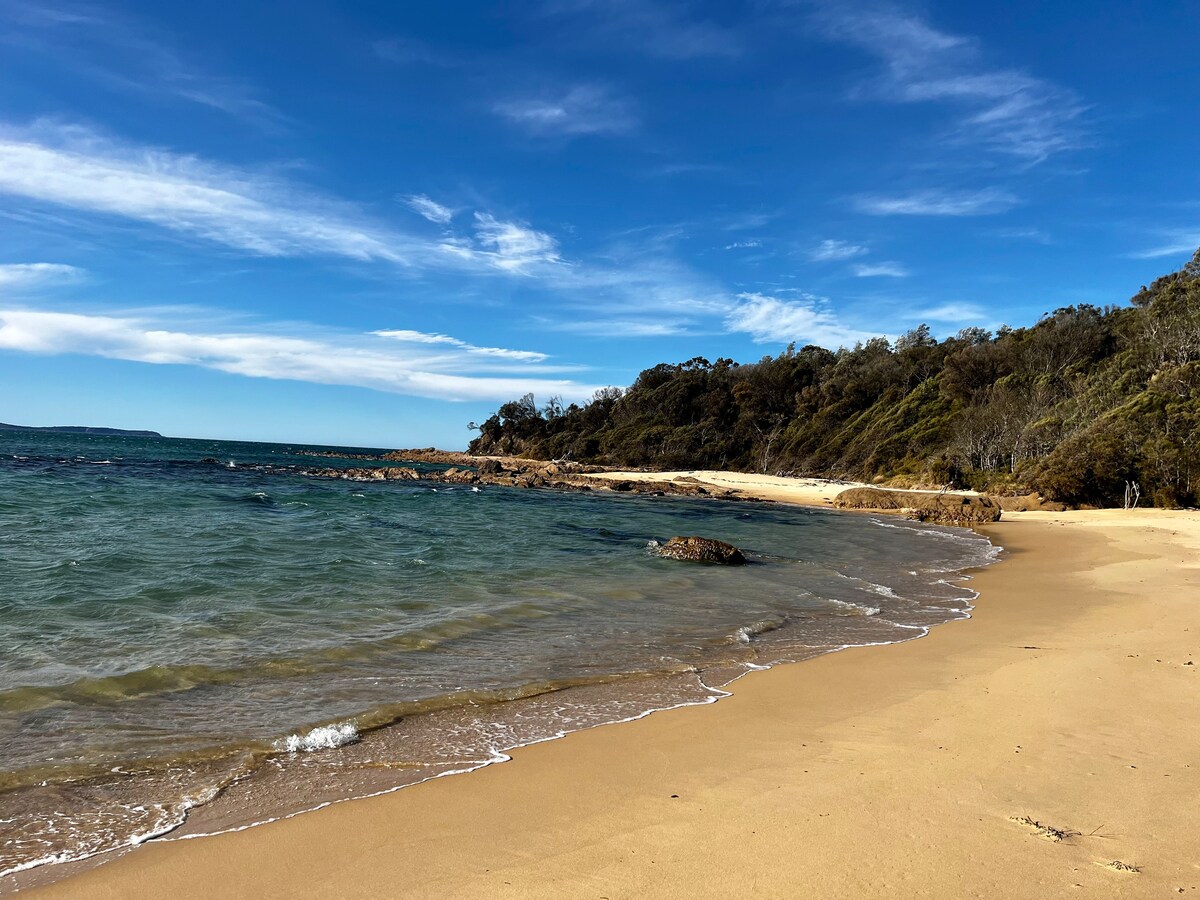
<point x="445" y="369"/>
<point x="27" y="274"/>
<point x="582" y="110"/>
<point x="770" y="320"/>
<point x="986" y="202"/>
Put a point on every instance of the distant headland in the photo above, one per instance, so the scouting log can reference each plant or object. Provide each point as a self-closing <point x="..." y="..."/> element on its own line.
<point x="79" y="429"/>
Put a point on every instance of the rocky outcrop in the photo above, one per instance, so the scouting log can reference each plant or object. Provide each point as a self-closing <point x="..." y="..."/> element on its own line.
<point x="356" y="473"/>
<point x="512" y="472"/>
<point x="699" y="549"/>
<point x="869" y="498"/>
<point x="939" y="509"/>
<point x="951" y="509"/>
<point x="431" y="455"/>
<point x="1029" y="503"/>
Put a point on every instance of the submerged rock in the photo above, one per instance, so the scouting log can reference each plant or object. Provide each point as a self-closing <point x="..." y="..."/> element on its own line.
<point x="699" y="549"/>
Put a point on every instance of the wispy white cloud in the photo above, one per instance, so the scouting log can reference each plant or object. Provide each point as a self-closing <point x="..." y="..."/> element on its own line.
<point x="115" y="50"/>
<point x="452" y="370"/>
<point x="656" y="29"/>
<point x="28" y="274"/>
<point x="582" y="110"/>
<point x="881" y="269"/>
<point x="509" y="246"/>
<point x="1180" y="245"/>
<point x="747" y="221"/>
<point x="96" y="179"/>
<point x="954" y="313"/>
<point x="250" y="212"/>
<point x="1007" y="110"/>
<point x="831" y="250"/>
<point x="770" y="320"/>
<point x="79" y="169"/>
<point x="423" y="337"/>
<point x="257" y="213"/>
<point x="429" y="209"/>
<point x="743" y="245"/>
<point x="622" y="328"/>
<point x="1025" y="234"/>
<point x="986" y="202"/>
<point x="513" y="246"/>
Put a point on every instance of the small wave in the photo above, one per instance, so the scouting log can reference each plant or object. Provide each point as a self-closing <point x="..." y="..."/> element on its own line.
<point x="324" y="737"/>
<point x="748" y="633"/>
<point x="881" y="589"/>
<point x="855" y="609"/>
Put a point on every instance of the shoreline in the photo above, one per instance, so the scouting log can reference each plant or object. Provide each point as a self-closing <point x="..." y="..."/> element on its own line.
<point x="607" y="805"/>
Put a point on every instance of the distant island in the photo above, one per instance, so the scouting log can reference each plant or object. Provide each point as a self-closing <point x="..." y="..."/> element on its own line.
<point x="80" y="429"/>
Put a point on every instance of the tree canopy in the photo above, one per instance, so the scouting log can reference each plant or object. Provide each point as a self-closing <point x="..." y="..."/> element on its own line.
<point x="1077" y="407"/>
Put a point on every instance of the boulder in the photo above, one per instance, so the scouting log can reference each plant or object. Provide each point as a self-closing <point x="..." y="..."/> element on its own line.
<point x="454" y="475"/>
<point x="869" y="498"/>
<point x="400" y="473"/>
<point x="699" y="549"/>
<point x="954" y="509"/>
<point x="490" y="467"/>
<point x="940" y="509"/>
<point x="1030" y="503"/>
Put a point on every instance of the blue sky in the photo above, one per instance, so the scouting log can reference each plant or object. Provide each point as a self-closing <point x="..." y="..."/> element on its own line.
<point x="372" y="223"/>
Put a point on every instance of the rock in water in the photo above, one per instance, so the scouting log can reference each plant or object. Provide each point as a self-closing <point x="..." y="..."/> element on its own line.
<point x="698" y="549"/>
<point x="490" y="467"/>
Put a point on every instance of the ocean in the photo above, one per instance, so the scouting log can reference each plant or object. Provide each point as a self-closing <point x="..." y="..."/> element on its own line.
<point x="192" y="642"/>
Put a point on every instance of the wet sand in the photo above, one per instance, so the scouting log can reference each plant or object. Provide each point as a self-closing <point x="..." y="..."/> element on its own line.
<point x="916" y="769"/>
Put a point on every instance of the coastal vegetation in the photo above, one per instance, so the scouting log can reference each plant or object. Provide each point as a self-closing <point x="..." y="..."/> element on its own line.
<point x="1090" y="405"/>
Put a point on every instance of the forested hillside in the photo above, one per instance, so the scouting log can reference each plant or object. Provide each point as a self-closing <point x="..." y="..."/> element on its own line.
<point x="1090" y="405"/>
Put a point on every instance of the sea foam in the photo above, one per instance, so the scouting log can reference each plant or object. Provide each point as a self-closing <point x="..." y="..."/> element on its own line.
<point x="325" y="737"/>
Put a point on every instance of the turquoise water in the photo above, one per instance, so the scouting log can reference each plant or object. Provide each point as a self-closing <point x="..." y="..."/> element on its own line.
<point x="189" y="645"/>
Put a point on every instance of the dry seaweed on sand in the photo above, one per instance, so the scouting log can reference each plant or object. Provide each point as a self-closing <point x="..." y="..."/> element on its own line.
<point x="1049" y="832"/>
<point x="1117" y="866"/>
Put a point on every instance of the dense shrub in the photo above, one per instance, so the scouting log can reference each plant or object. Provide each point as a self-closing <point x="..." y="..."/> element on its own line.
<point x="1086" y="406"/>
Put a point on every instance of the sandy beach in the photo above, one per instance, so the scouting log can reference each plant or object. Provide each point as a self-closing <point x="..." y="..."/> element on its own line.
<point x="1047" y="747"/>
<point x="802" y="491"/>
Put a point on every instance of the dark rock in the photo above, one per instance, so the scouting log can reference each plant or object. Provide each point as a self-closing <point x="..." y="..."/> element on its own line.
<point x="400" y="473"/>
<point x="490" y="467"/>
<point x="699" y="549"/>
<point x="454" y="475"/>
